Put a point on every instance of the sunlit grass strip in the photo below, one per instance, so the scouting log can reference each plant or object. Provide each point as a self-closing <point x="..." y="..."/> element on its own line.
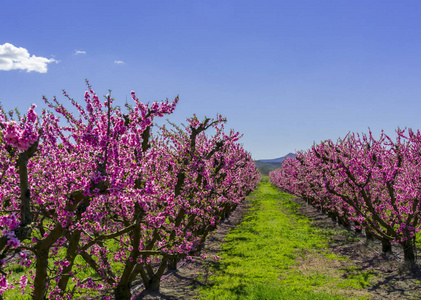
<point x="257" y="261"/>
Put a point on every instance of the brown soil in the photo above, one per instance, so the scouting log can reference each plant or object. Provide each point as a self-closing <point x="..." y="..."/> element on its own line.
<point x="391" y="280"/>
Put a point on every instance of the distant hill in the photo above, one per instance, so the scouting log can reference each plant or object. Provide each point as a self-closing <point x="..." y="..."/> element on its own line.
<point x="267" y="165"/>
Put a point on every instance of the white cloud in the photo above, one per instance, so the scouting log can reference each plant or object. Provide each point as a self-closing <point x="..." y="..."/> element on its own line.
<point x="14" y="58"/>
<point x="120" y="62"/>
<point x="80" y="52"/>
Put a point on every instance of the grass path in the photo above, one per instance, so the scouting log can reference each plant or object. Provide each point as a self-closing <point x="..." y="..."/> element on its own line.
<point x="268" y="256"/>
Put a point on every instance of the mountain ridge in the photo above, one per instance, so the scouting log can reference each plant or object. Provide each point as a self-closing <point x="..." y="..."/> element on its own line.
<point x="279" y="159"/>
<point x="267" y="165"/>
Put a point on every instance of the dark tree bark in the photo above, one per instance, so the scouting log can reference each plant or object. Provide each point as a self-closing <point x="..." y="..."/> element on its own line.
<point x="408" y="252"/>
<point x="386" y="246"/>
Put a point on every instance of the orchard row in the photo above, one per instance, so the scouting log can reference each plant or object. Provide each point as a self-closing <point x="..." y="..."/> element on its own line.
<point x="104" y="189"/>
<point x="374" y="184"/>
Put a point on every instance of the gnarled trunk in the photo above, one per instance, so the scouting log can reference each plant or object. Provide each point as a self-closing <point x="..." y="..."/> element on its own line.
<point x="332" y="216"/>
<point x="369" y="236"/>
<point x="409" y="251"/>
<point x="344" y="222"/>
<point x="42" y="250"/>
<point x="122" y="291"/>
<point x="40" y="282"/>
<point x="386" y="246"/>
<point x="172" y="264"/>
<point x="70" y="257"/>
<point x="152" y="279"/>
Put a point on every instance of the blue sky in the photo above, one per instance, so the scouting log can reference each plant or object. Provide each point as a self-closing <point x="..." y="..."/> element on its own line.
<point x="284" y="73"/>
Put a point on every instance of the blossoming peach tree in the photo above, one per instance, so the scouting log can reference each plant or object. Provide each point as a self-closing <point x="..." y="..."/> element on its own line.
<point x="373" y="183"/>
<point x="102" y="189"/>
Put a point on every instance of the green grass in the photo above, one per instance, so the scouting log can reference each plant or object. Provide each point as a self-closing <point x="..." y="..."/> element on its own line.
<point x="260" y="257"/>
<point x="82" y="272"/>
<point x="18" y="271"/>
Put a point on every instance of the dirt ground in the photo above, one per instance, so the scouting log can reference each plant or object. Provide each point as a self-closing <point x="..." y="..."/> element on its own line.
<point x="392" y="279"/>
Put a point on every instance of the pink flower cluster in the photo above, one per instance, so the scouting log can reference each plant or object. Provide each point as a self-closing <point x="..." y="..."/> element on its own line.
<point x="22" y="135"/>
<point x="10" y="222"/>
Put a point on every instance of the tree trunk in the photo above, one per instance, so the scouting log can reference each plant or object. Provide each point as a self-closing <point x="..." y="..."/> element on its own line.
<point x="42" y="250"/>
<point x="332" y="216"/>
<point x="356" y="228"/>
<point x="408" y="252"/>
<point x="342" y="221"/>
<point x="25" y="196"/>
<point x="70" y="257"/>
<point x="369" y="236"/>
<point x="154" y="280"/>
<point x="40" y="282"/>
<point x="172" y="264"/>
<point x="153" y="284"/>
<point x="122" y="291"/>
<point x="386" y="246"/>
